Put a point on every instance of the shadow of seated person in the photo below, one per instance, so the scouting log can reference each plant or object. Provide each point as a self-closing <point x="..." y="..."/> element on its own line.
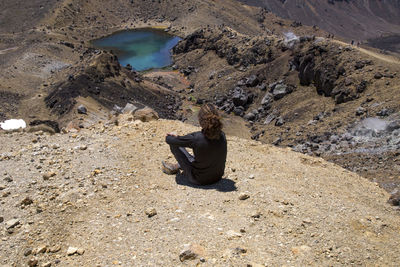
<point x="223" y="185"/>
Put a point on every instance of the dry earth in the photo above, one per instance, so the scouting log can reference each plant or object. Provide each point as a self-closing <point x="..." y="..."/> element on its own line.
<point x="92" y="193"/>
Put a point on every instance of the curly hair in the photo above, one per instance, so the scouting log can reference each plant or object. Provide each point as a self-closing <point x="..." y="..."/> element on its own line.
<point x="210" y="121"/>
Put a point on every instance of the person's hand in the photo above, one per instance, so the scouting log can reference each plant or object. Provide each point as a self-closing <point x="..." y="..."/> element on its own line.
<point x="172" y="134"/>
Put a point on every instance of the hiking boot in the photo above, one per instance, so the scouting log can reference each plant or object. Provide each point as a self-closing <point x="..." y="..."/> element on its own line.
<point x="170" y="168"/>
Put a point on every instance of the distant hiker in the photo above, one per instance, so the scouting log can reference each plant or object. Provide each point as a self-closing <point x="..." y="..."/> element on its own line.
<point x="352" y="42"/>
<point x="209" y="146"/>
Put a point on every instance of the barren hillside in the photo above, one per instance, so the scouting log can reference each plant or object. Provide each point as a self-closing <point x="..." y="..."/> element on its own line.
<point x="353" y="20"/>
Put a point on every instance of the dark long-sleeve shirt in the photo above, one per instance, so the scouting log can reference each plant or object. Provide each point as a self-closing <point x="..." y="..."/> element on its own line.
<point x="209" y="155"/>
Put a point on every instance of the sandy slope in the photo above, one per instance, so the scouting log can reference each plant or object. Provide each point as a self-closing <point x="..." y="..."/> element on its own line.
<point x="301" y="211"/>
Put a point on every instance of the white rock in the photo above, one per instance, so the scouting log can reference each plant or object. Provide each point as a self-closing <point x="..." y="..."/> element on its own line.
<point x="232" y="234"/>
<point x="244" y="196"/>
<point x="71" y="251"/>
<point x="12" y="223"/>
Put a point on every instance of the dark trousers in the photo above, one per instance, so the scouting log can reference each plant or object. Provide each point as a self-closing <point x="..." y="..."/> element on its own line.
<point x="185" y="160"/>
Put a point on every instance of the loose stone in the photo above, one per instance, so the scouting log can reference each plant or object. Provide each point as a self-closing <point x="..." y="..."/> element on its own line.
<point x="48" y="175"/>
<point x="12" y="223"/>
<point x="244" y="196"/>
<point x="54" y="249"/>
<point x="27" y="252"/>
<point x="41" y="249"/>
<point x="33" y="262"/>
<point x="150" y="212"/>
<point x="71" y="251"/>
<point x="191" y="252"/>
<point x="187" y="255"/>
<point x="232" y="234"/>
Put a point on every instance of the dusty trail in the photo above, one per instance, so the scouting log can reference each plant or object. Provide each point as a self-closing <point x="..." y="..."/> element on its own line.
<point x="388" y="59"/>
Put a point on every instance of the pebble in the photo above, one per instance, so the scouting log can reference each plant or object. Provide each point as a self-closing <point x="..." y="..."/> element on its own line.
<point x="71" y="251"/>
<point x="48" y="175"/>
<point x="187" y="255"/>
<point x="27" y="201"/>
<point x="232" y="234"/>
<point x="150" y="212"/>
<point x="81" y="147"/>
<point x="244" y="196"/>
<point x="33" y="262"/>
<point x="12" y="223"/>
<point x="54" y="249"/>
<point x="27" y="252"/>
<point x="191" y="252"/>
<point x="8" y="179"/>
<point x="239" y="250"/>
<point x="41" y="249"/>
<point x="256" y="215"/>
<point x="55" y="146"/>
<point x="47" y="264"/>
<point x="1" y="219"/>
<point x="2" y="187"/>
<point x="80" y="251"/>
<point x="251" y="176"/>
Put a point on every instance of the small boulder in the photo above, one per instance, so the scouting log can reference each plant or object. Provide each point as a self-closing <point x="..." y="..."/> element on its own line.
<point x="383" y="113"/>
<point x="145" y="114"/>
<point x="267" y="99"/>
<point x="360" y="111"/>
<point x="279" y="121"/>
<point x="82" y="109"/>
<point x="252" y="81"/>
<point x="280" y="91"/>
<point x="394" y="199"/>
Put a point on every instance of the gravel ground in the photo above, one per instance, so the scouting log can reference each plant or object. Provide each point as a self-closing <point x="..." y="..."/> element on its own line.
<point x="99" y="195"/>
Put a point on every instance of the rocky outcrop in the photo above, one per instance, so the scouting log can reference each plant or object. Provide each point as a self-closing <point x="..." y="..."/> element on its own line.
<point x="320" y="66"/>
<point x="227" y="44"/>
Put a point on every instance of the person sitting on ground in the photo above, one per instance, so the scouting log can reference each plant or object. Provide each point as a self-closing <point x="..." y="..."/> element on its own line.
<point x="209" y="145"/>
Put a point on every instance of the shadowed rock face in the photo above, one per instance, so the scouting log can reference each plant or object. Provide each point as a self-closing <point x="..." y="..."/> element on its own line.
<point x="355" y="20"/>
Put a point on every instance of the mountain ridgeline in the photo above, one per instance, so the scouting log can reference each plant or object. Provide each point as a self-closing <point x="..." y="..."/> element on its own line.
<point x="353" y="20"/>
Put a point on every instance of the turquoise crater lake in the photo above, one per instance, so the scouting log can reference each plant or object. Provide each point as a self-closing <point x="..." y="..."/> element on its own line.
<point x="143" y="49"/>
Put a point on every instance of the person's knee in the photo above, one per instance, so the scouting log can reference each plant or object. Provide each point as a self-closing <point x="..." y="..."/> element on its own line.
<point x="174" y="149"/>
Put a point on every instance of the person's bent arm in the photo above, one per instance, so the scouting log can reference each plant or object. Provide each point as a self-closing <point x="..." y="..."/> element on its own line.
<point x="183" y="141"/>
